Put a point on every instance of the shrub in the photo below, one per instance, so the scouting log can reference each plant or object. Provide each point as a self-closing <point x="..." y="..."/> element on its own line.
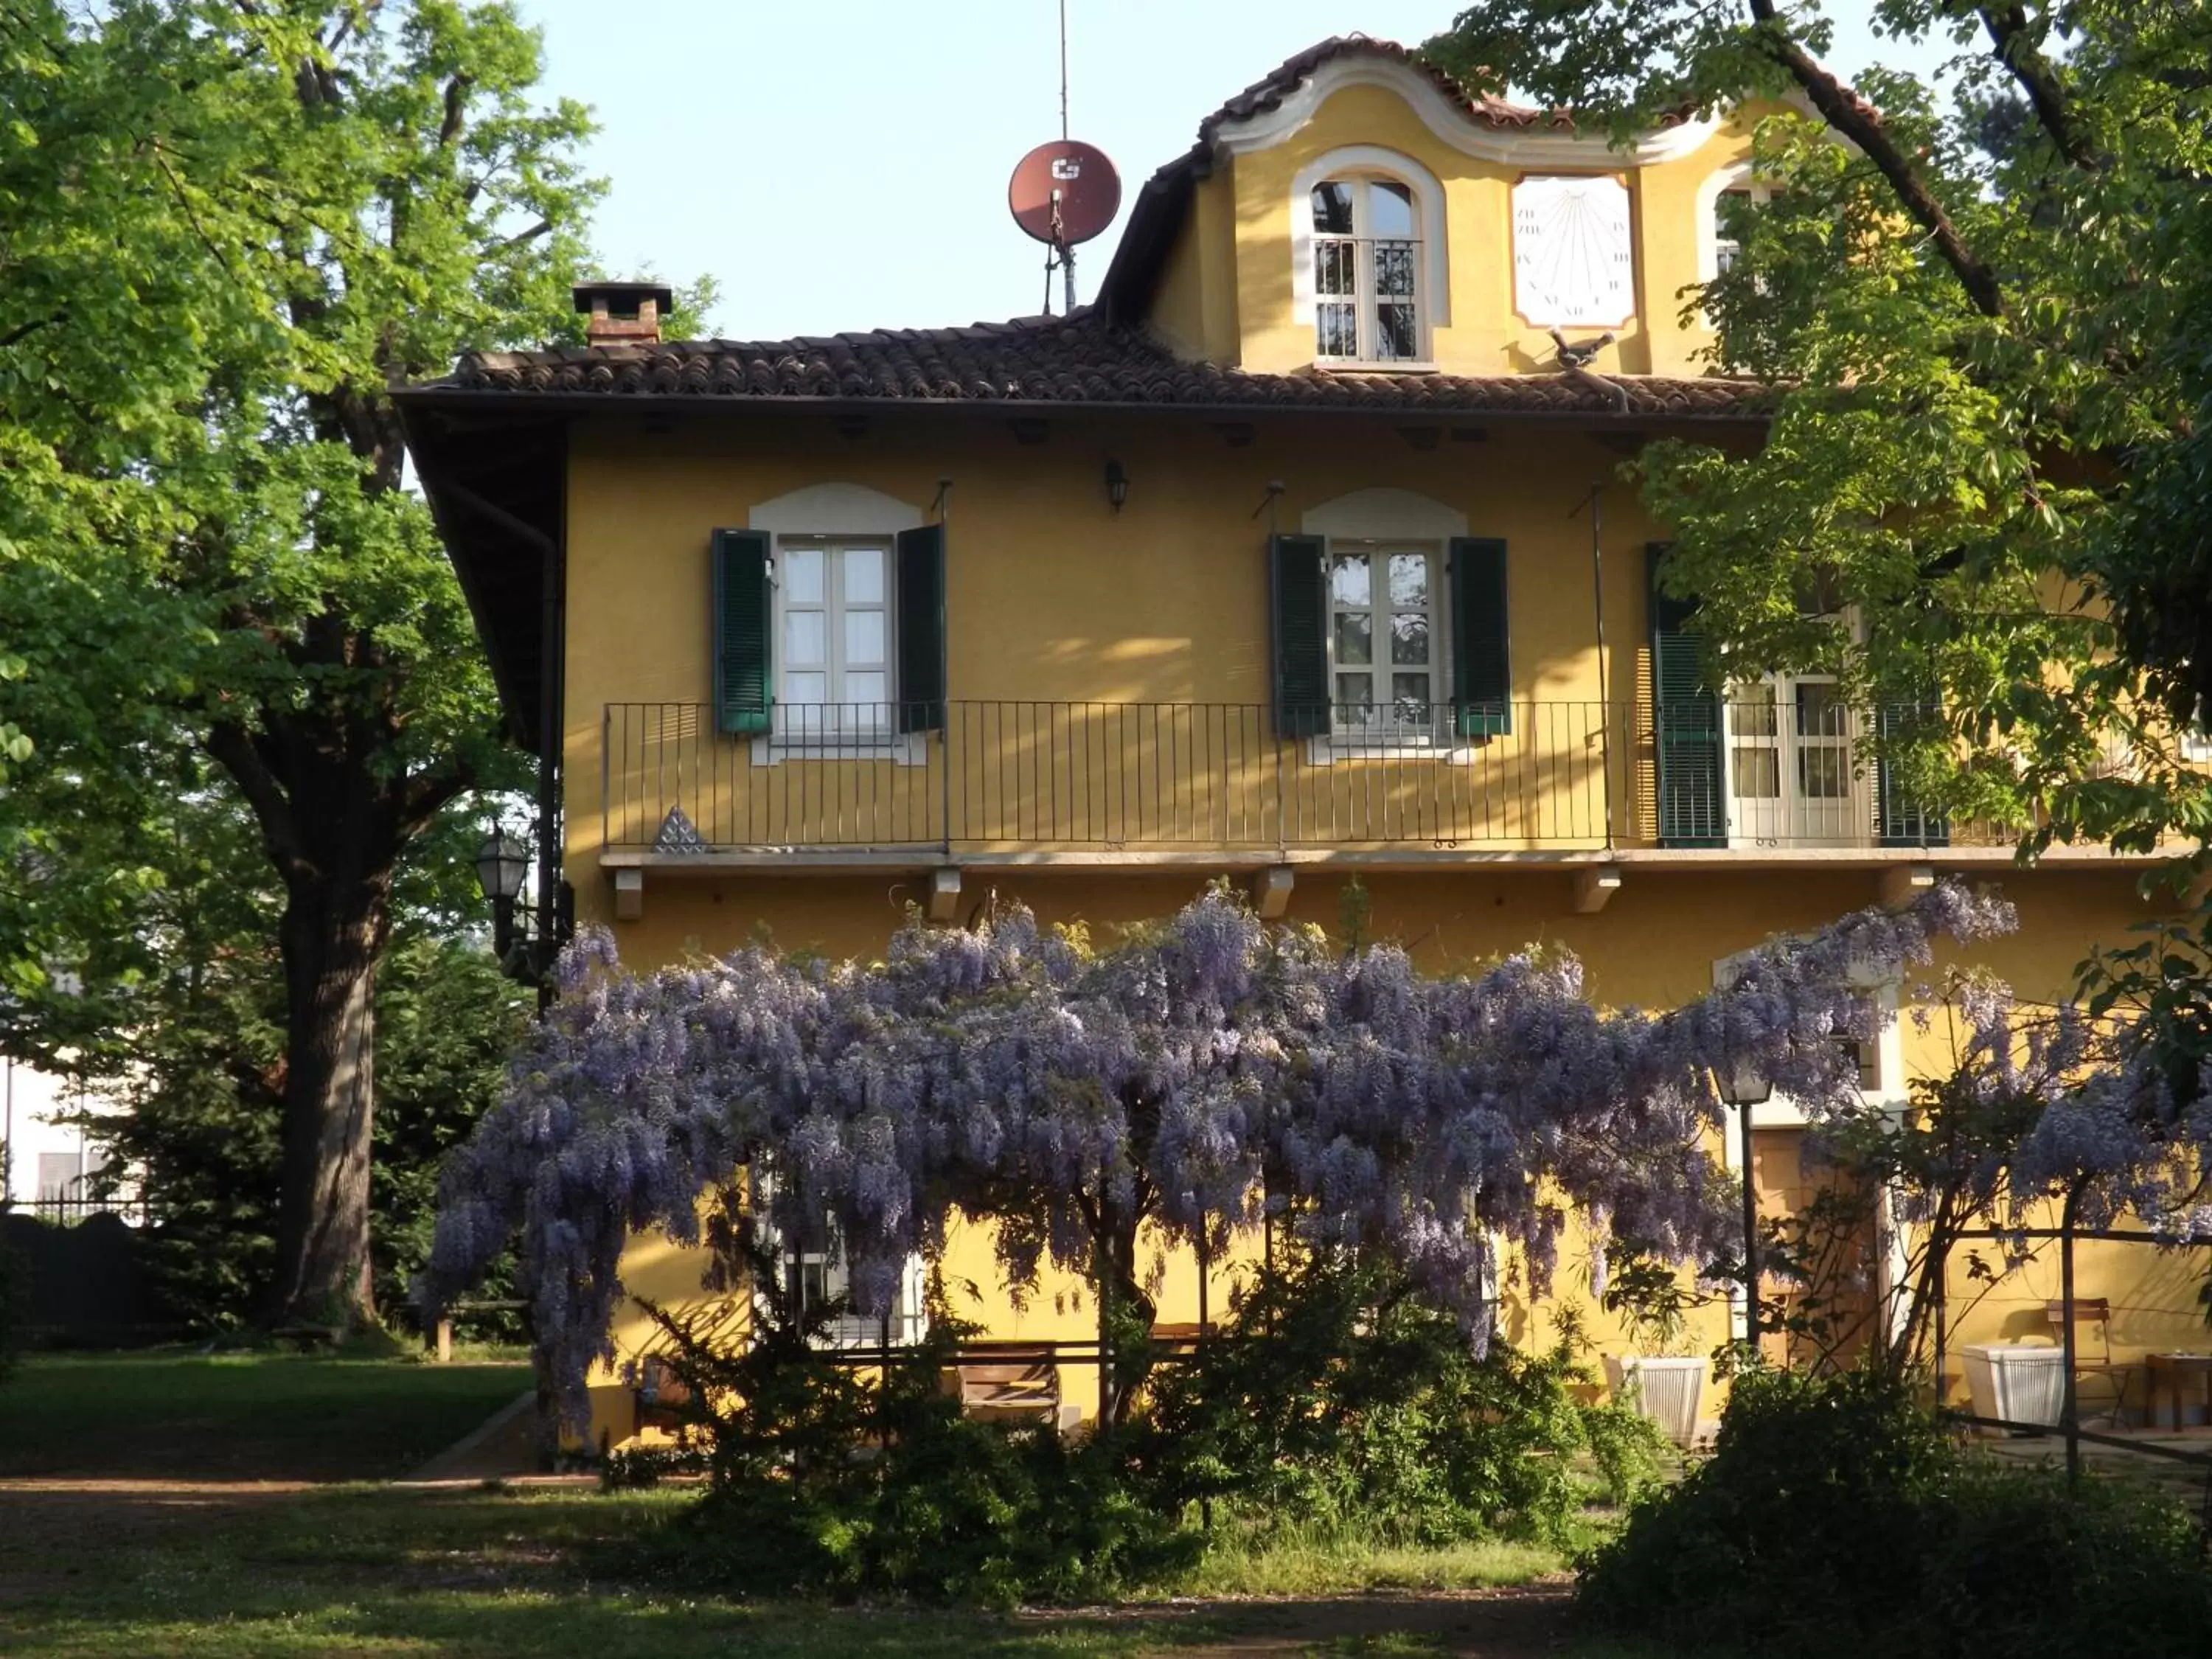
<point x="1836" y="1516"/>
<point x="13" y="1297"/>
<point x="1340" y="1399"/>
<point x="822" y="1480"/>
<point x="1338" y="1407"/>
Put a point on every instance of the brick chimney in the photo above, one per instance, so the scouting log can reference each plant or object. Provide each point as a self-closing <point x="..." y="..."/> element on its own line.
<point x="623" y="312"/>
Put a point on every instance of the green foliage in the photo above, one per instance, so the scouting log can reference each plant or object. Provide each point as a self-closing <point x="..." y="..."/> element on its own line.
<point x="198" y="1080"/>
<point x="230" y="230"/>
<point x="12" y="1291"/>
<point x="1649" y="1294"/>
<point x="1984" y="315"/>
<point x="446" y="1021"/>
<point x="1836" y="1516"/>
<point x="1337" y="1412"/>
<point x="822" y="1481"/>
<point x="1338" y="1401"/>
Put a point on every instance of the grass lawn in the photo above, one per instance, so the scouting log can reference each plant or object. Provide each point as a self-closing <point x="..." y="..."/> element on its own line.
<point x="484" y="1574"/>
<point x="141" y="1512"/>
<point x="181" y="1416"/>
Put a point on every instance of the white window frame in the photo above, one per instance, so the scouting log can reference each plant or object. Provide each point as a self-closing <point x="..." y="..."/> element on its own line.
<point x="1366" y="163"/>
<point x="908" y="1319"/>
<point x="871" y="724"/>
<point x="1710" y="243"/>
<point x="1799" y="824"/>
<point x="1386" y="520"/>
<point x="1386" y="730"/>
<point x="851" y="515"/>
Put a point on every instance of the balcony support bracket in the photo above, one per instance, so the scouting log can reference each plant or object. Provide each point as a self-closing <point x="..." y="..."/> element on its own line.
<point x="1901" y="883"/>
<point x="945" y="894"/>
<point x="1271" y="892"/>
<point x="630" y="894"/>
<point x="1594" y="888"/>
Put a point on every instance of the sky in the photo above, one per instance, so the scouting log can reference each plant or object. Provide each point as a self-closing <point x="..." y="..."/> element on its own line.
<point x="842" y="164"/>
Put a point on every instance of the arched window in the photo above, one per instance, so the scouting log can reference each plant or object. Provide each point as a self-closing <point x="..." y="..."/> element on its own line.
<point x="1366" y="272"/>
<point x="1721" y="198"/>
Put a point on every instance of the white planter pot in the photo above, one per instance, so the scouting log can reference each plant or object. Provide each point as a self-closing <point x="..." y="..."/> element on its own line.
<point x="1668" y="1391"/>
<point x="2019" y="1383"/>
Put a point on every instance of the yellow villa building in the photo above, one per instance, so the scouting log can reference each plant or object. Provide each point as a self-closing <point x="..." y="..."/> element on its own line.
<point x="1301" y="556"/>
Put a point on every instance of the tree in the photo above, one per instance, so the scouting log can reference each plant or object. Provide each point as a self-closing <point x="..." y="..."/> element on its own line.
<point x="1979" y="502"/>
<point x="196" y="1067"/>
<point x="1208" y="1074"/>
<point x="229" y="227"/>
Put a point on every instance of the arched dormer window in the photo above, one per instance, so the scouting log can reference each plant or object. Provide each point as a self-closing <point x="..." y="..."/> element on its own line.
<point x="1368" y="257"/>
<point x="1367" y="288"/>
<point x="1719" y="198"/>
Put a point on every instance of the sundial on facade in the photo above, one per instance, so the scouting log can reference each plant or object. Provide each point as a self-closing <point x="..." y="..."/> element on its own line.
<point x="1574" y="255"/>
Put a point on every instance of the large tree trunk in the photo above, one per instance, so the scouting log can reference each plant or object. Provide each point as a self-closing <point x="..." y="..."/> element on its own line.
<point x="333" y="935"/>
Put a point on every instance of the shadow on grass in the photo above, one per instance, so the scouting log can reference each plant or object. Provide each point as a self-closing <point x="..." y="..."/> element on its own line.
<point x="482" y="1574"/>
<point x="185" y="1416"/>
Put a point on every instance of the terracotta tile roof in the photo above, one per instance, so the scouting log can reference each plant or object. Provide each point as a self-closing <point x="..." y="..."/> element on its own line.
<point x="1267" y="93"/>
<point x="1057" y="361"/>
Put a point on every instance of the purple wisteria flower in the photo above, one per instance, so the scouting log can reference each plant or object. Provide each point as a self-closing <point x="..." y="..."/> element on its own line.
<point x="1211" y="1070"/>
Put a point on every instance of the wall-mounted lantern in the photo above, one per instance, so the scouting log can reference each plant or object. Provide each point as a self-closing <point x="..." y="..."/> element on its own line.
<point x="1117" y="485"/>
<point x="526" y="954"/>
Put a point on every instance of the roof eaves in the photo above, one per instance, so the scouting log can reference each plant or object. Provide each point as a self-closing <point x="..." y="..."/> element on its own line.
<point x="447" y="394"/>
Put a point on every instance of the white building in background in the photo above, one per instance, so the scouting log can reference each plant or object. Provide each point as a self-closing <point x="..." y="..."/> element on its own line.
<point x="49" y="1160"/>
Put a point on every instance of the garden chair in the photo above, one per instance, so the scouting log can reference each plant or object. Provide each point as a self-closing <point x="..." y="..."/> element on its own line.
<point x="2096" y="1312"/>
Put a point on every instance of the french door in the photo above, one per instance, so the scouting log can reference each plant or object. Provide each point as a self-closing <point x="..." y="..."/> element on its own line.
<point x="1790" y="777"/>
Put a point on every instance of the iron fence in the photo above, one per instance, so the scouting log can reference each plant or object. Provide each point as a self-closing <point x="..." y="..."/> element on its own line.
<point x="71" y="1209"/>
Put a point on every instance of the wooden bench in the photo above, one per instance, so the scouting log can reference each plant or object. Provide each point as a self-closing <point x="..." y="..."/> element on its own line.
<point x="441" y="1340"/>
<point x="1011" y="1383"/>
<point x="661" y="1398"/>
<point x="1002" y="1391"/>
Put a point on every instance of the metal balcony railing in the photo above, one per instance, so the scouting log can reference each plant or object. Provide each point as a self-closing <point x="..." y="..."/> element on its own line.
<point x="1104" y="776"/>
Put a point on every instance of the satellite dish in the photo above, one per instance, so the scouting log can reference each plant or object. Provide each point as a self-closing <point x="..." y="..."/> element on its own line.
<point x="1064" y="192"/>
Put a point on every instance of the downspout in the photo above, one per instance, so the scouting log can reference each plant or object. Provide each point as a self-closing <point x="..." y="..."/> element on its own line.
<point x="551" y="665"/>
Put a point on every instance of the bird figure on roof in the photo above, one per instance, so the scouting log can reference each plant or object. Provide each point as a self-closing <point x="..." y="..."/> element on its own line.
<point x="1579" y="356"/>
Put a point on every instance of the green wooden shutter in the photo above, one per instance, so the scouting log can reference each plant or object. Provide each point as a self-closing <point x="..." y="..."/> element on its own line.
<point x="1482" y="679"/>
<point x="745" y="632"/>
<point x="1899" y="820"/>
<point x="920" y="617"/>
<point x="1686" y="723"/>
<point x="1298" y="587"/>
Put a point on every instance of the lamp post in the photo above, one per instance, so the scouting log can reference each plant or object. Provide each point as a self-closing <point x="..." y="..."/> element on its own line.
<point x="1743" y="1088"/>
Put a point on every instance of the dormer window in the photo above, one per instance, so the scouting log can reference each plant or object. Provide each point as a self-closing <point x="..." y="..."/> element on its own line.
<point x="1366" y="272"/>
<point x="1721" y="198"/>
<point x="1735" y="200"/>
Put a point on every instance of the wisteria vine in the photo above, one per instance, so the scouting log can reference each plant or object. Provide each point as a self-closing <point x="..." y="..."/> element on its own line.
<point x="1206" y="1070"/>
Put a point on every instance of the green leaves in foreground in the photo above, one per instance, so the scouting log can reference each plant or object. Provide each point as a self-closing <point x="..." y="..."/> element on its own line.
<point x="1985" y="310"/>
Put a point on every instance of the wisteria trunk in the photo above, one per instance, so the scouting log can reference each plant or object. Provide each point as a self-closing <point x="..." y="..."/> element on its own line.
<point x="1125" y="1311"/>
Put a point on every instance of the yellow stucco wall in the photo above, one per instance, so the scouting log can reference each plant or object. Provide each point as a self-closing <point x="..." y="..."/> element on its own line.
<point x="1053" y="597"/>
<point x="1486" y="335"/>
<point x="1194" y="307"/>
<point x="1655" y="945"/>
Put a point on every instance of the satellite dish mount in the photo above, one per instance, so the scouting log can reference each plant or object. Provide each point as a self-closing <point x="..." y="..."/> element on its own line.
<point x="1064" y="192"/>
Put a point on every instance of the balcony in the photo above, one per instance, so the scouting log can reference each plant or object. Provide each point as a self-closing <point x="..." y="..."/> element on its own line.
<point x="1189" y="782"/>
